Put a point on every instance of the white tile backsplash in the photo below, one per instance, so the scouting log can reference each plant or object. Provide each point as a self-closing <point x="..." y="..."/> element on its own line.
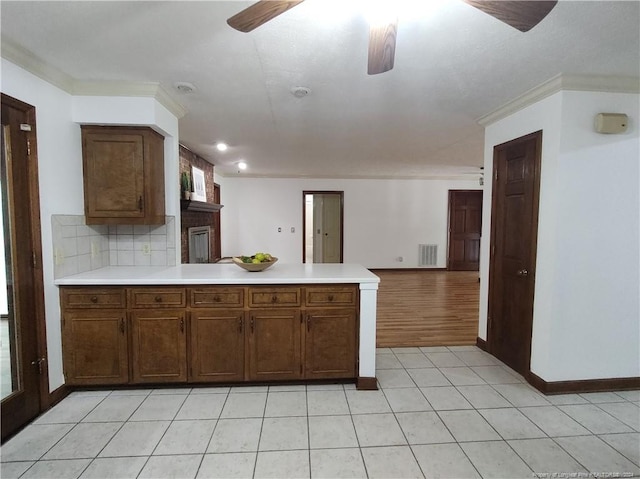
<point x="79" y="247"/>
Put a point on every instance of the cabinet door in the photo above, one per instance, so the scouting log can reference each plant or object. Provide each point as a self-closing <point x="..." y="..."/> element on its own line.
<point x="274" y="345"/>
<point x="114" y="175"/>
<point x="95" y="347"/>
<point x="159" y="346"/>
<point x="217" y="345"/>
<point x="123" y="175"/>
<point x="330" y="343"/>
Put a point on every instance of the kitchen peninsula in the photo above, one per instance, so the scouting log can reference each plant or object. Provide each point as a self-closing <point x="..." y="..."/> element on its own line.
<point x="217" y="323"/>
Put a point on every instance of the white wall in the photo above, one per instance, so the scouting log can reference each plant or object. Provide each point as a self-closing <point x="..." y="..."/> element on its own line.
<point x="383" y="219"/>
<point x="586" y="321"/>
<point x="60" y="167"/>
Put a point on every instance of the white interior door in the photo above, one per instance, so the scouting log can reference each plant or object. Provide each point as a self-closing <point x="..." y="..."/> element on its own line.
<point x="331" y="228"/>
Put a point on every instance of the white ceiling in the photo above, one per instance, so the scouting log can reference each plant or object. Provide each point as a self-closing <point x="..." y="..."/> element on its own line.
<point x="418" y="120"/>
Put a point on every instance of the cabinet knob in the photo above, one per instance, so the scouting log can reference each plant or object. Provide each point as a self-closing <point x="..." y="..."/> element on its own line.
<point x="216" y="299"/>
<point x="182" y="325"/>
<point x="239" y="325"/>
<point x="122" y="325"/>
<point x="330" y="298"/>
<point x="274" y="299"/>
<point x="94" y="299"/>
<point x="140" y="204"/>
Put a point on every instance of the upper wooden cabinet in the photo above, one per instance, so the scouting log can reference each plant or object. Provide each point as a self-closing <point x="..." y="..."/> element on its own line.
<point x="123" y="175"/>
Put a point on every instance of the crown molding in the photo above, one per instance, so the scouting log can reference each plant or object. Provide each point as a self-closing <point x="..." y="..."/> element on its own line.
<point x="133" y="89"/>
<point x="435" y="176"/>
<point x="33" y="64"/>
<point x="562" y="82"/>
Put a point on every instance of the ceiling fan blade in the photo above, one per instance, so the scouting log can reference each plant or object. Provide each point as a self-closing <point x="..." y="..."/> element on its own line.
<point x="523" y="15"/>
<point x="382" y="47"/>
<point x="260" y="13"/>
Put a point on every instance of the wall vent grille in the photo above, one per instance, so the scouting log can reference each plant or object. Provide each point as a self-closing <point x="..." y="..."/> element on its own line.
<point x="427" y="255"/>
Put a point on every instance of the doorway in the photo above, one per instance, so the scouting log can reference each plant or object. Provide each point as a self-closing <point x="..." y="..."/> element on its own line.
<point x="514" y="213"/>
<point x="465" y="227"/>
<point x="23" y="342"/>
<point x="323" y="220"/>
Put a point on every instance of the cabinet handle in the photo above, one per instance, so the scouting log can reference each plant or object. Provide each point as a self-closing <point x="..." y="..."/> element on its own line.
<point x="274" y="299"/>
<point x="140" y="203"/>
<point x="308" y="323"/>
<point x="252" y="325"/>
<point x="94" y="299"/>
<point x="182" y="325"/>
<point x="216" y="299"/>
<point x="330" y="298"/>
<point x="240" y="325"/>
<point x="122" y="325"/>
<point x="158" y="299"/>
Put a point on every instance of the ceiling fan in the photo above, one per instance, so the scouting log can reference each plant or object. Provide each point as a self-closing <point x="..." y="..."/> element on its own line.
<point x="520" y="14"/>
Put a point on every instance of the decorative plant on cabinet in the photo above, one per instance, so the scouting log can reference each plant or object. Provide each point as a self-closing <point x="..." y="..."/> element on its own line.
<point x="185" y="185"/>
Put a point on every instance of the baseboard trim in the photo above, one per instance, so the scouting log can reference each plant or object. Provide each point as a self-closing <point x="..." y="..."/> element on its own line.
<point x="366" y="384"/>
<point x="481" y="343"/>
<point x="58" y="395"/>
<point x="582" y="386"/>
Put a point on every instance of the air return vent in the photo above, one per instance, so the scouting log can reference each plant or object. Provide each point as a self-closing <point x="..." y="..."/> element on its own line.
<point x="427" y="254"/>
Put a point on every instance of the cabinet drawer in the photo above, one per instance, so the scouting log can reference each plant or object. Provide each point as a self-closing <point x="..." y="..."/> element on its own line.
<point x="88" y="298"/>
<point x="331" y="296"/>
<point x="216" y="298"/>
<point x="263" y="297"/>
<point x="157" y="297"/>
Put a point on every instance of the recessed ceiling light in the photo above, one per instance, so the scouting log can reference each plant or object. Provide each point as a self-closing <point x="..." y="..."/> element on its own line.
<point x="242" y="165"/>
<point x="221" y="146"/>
<point x="184" y="87"/>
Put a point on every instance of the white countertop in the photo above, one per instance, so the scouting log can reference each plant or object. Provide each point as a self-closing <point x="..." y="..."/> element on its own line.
<point x="279" y="273"/>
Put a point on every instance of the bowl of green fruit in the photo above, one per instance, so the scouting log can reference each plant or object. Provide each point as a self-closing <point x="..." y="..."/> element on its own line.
<point x="257" y="262"/>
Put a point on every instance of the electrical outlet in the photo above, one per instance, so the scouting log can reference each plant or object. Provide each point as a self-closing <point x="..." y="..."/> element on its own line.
<point x="279" y="229"/>
<point x="146" y="249"/>
<point x="400" y="259"/>
<point x="293" y="230"/>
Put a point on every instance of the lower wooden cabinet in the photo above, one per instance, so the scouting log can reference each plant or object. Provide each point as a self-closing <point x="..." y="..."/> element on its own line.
<point x="274" y="345"/>
<point x="95" y="347"/>
<point x="158" y="346"/>
<point x="209" y="334"/>
<point x="217" y="345"/>
<point x="330" y="344"/>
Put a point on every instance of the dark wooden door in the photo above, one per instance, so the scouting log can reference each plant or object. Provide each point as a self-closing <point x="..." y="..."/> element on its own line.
<point x="516" y="167"/>
<point x="159" y="346"/>
<point x="217" y="345"/>
<point x="465" y="227"/>
<point x="274" y="345"/>
<point x="23" y="338"/>
<point x="330" y="343"/>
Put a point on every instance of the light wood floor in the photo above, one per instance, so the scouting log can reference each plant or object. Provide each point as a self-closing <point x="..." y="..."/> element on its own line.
<point x="427" y="308"/>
